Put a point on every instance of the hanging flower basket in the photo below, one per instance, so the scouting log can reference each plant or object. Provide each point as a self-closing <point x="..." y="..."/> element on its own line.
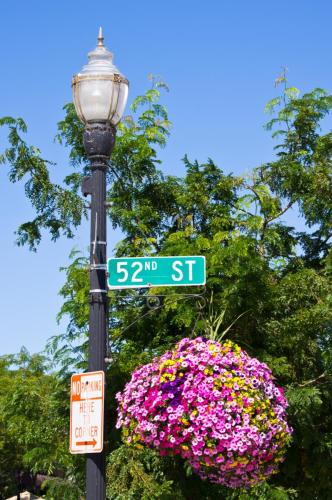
<point x="213" y="405"/>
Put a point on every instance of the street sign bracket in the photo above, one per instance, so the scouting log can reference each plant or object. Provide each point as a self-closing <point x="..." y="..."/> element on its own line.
<point x="159" y="303"/>
<point x="149" y="298"/>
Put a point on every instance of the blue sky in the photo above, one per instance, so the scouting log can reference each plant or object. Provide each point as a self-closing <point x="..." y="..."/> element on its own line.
<point x="219" y="59"/>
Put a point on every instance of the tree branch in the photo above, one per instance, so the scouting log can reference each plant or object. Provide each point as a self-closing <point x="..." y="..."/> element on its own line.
<point x="284" y="210"/>
<point x="313" y="381"/>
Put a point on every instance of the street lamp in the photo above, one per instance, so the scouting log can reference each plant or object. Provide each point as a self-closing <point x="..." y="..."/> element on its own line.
<point x="100" y="94"/>
<point x="100" y="91"/>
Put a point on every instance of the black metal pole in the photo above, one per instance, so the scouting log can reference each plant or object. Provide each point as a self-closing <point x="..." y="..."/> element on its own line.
<point x="98" y="140"/>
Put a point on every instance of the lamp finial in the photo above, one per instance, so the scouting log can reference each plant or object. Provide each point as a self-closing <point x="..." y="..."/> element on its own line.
<point x="100" y="37"/>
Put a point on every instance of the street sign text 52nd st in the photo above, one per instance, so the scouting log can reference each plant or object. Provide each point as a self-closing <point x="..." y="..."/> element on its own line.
<point x="144" y="272"/>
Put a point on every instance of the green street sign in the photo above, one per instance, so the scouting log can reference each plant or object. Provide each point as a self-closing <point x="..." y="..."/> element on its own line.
<point x="145" y="272"/>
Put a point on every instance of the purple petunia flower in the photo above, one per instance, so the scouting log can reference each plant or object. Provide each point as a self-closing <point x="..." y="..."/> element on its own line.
<point x="213" y="405"/>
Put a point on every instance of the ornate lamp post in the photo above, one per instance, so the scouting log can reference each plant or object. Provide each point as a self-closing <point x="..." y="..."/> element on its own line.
<point x="100" y="95"/>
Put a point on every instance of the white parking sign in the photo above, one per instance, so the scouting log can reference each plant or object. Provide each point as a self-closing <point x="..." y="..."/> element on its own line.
<point x="87" y="412"/>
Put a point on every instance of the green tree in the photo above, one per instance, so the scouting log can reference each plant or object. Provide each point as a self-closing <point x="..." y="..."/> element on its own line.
<point x="268" y="282"/>
<point x="34" y="423"/>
